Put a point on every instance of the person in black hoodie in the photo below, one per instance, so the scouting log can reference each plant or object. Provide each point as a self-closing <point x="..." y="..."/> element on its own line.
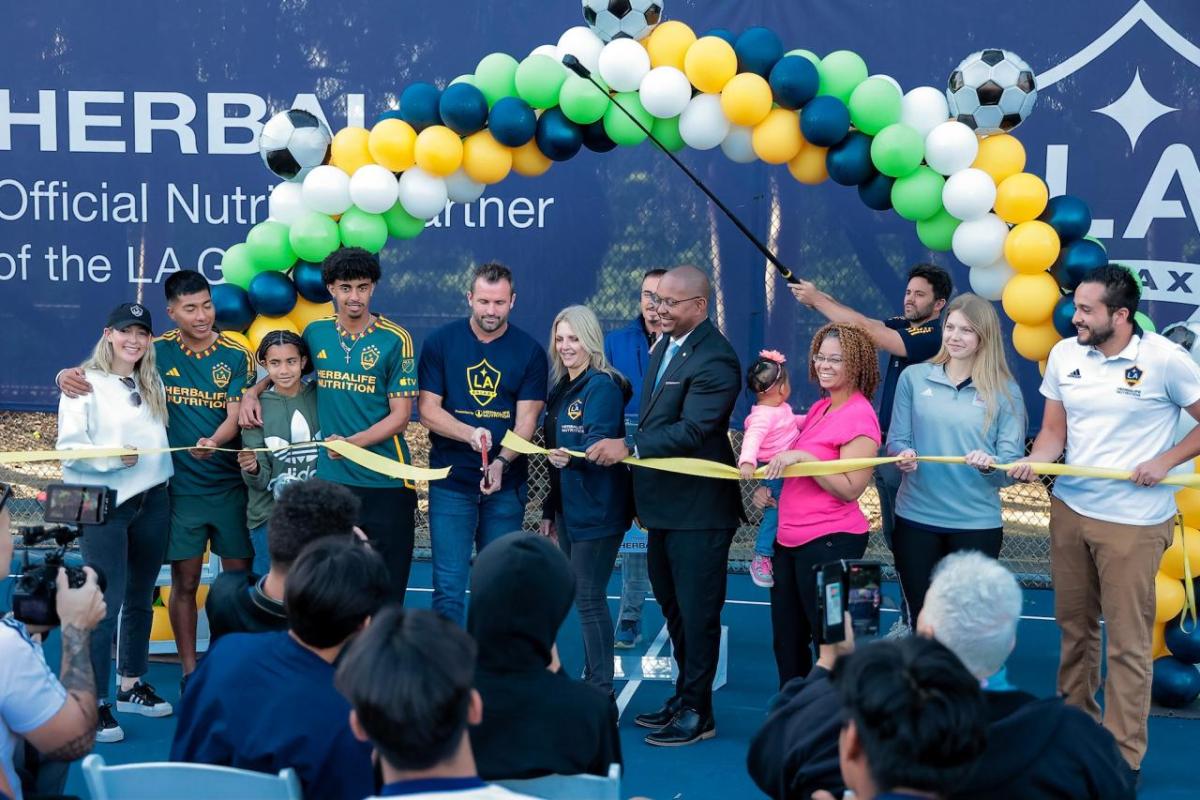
<point x="589" y="507"/>
<point x="536" y="720"/>
<point x="1037" y="748"/>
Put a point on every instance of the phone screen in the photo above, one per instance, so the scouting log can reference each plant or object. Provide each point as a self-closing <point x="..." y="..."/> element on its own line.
<point x="833" y="604"/>
<point x="5" y="493"/>
<point x="864" y="597"/>
<point x="74" y="504"/>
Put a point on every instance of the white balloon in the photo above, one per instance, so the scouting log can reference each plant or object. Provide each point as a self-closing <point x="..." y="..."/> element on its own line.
<point x="923" y="109"/>
<point x="890" y="80"/>
<point x="980" y="242"/>
<point x="737" y="145"/>
<point x="287" y="202"/>
<point x="582" y="43"/>
<point x="327" y="190"/>
<point x="703" y="124"/>
<point x="969" y="194"/>
<point x="988" y="282"/>
<point x="951" y="147"/>
<point x="373" y="188"/>
<point x="422" y="195"/>
<point x="623" y="64"/>
<point x="461" y="189"/>
<point x="665" y="92"/>
<point x="546" y="50"/>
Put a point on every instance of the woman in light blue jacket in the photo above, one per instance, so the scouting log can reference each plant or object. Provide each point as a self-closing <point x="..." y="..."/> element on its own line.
<point x="963" y="401"/>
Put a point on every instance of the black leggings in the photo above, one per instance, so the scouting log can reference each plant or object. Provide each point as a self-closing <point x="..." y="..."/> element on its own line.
<point x="918" y="551"/>
<point x="386" y="517"/>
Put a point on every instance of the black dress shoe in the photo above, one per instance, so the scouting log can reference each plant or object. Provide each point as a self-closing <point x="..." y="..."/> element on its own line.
<point x="689" y="726"/>
<point x="661" y="718"/>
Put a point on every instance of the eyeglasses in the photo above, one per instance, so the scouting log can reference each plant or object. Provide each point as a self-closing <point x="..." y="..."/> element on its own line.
<point x="135" y="399"/>
<point x="670" y="303"/>
<point x="833" y="361"/>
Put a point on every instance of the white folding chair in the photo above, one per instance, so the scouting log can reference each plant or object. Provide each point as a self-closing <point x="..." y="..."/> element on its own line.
<point x="159" y="780"/>
<point x="570" y="787"/>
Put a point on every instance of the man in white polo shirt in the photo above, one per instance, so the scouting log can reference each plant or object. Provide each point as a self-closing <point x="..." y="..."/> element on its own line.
<point x="1113" y="397"/>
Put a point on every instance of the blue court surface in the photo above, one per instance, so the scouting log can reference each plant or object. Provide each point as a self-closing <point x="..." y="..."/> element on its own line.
<point x="716" y="768"/>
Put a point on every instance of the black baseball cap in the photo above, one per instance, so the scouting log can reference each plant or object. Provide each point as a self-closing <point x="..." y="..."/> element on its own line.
<point x="128" y="314"/>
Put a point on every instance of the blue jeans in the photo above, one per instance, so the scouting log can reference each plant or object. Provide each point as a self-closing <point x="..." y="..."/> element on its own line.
<point x="764" y="543"/>
<point x="262" y="559"/>
<point x="458" y="522"/>
<point x="635" y="585"/>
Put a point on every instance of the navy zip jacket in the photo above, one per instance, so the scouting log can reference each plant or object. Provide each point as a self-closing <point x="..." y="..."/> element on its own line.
<point x="594" y="501"/>
<point x="628" y="350"/>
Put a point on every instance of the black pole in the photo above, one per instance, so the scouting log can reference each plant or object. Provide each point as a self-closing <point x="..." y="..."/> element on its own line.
<point x="572" y="63"/>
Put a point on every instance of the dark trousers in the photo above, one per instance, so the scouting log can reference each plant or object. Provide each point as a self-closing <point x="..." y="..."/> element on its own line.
<point x="592" y="562"/>
<point x="918" y="551"/>
<point x="795" y="623"/>
<point x="386" y="518"/>
<point x="687" y="572"/>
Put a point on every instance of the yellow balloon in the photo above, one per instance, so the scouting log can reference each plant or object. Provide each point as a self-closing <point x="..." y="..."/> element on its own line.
<point x="1158" y="642"/>
<point x="1172" y="560"/>
<point x="1042" y="367"/>
<point x="1188" y="501"/>
<point x="1034" y="342"/>
<point x="164" y="594"/>
<point x="349" y="150"/>
<point x="264" y="325"/>
<point x="240" y="338"/>
<point x="777" y="139"/>
<point x="1000" y="156"/>
<point x="1030" y="299"/>
<point x="746" y="99"/>
<point x="809" y="164"/>
<point x="668" y="44"/>
<point x="1031" y="247"/>
<point x="529" y="161"/>
<point x="1021" y="197"/>
<point x="439" y="150"/>
<point x="484" y="159"/>
<point x="710" y="63"/>
<point x="306" y="311"/>
<point x="392" y="144"/>
<point x="160" y="627"/>
<point x="1169" y="597"/>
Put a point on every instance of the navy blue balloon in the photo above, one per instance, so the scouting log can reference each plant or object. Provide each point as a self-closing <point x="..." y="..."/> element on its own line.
<point x="1069" y="216"/>
<point x="309" y="282"/>
<point x="723" y="33"/>
<point x="1176" y="683"/>
<point x="1184" y="643"/>
<point x="876" y="192"/>
<point x="758" y="50"/>
<point x="595" y="138"/>
<point x="1076" y="260"/>
<point x="512" y="121"/>
<point x="849" y="161"/>
<point x="232" y="307"/>
<point x="392" y="113"/>
<point x="557" y="137"/>
<point x="463" y="109"/>
<point x="419" y="106"/>
<point x="794" y="81"/>
<point x="825" y="121"/>
<point x="1064" y="312"/>
<point x="272" y="294"/>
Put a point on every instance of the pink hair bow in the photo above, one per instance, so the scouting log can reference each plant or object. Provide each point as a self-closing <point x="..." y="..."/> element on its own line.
<point x="772" y="355"/>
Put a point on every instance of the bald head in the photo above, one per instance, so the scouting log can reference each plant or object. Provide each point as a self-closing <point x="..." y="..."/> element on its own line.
<point x="685" y="291"/>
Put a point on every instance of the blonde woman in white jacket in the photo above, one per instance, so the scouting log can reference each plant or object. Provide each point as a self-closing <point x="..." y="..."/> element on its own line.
<point x="126" y="409"/>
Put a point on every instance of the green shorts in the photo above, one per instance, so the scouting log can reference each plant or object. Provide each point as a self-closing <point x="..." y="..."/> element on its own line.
<point x="220" y="518"/>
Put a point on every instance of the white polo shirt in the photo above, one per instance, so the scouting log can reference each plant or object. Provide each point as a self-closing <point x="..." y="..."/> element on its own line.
<point x="1121" y="411"/>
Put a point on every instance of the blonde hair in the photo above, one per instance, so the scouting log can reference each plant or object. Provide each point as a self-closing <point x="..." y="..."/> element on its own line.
<point x="587" y="328"/>
<point x="145" y="375"/>
<point x="990" y="374"/>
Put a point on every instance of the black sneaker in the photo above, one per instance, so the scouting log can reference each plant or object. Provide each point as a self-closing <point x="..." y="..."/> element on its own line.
<point x="107" y="729"/>
<point x="141" y="699"/>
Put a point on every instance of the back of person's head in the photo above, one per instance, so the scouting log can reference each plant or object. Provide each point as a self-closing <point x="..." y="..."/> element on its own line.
<point x="768" y="371"/>
<point x="333" y="587"/>
<point x="937" y="277"/>
<point x="914" y="717"/>
<point x="350" y="264"/>
<point x="1120" y="287"/>
<point x="306" y="511"/>
<point x="409" y="677"/>
<point x="973" y="606"/>
<point x="183" y="283"/>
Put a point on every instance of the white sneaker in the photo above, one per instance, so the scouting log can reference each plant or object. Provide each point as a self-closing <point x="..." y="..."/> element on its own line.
<point x="107" y="729"/>
<point x="899" y="630"/>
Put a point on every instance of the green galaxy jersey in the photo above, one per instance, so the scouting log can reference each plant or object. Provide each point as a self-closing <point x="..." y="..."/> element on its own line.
<point x="356" y="376"/>
<point x="199" y="385"/>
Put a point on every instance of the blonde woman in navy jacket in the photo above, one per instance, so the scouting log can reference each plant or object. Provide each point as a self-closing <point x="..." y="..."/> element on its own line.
<point x="589" y="507"/>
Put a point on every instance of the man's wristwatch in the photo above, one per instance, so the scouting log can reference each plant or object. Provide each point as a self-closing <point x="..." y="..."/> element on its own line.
<point x="505" y="462"/>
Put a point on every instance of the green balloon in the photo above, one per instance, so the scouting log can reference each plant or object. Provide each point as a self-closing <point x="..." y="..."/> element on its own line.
<point x="269" y="247"/>
<point x="581" y="102"/>
<point x="363" y="229"/>
<point x="1144" y="322"/>
<point x="809" y="54"/>
<point x="539" y="80"/>
<point x="402" y="224"/>
<point x="619" y="127"/>
<point x="918" y="195"/>
<point x="313" y="237"/>
<point x="667" y="132"/>
<point x="937" y="232"/>
<point x="874" y="104"/>
<point x="238" y="266"/>
<point x="496" y="77"/>
<point x="463" y="79"/>
<point x="1137" y="276"/>
<point x="841" y="72"/>
<point x="897" y="150"/>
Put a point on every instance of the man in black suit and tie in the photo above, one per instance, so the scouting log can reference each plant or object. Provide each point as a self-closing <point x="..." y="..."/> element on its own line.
<point x="692" y="383"/>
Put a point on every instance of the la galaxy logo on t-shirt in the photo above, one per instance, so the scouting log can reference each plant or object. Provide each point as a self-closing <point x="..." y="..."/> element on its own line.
<point x="369" y="357"/>
<point x="575" y="410"/>
<point x="221" y="373"/>
<point x="482" y="382"/>
<point x="1133" y="376"/>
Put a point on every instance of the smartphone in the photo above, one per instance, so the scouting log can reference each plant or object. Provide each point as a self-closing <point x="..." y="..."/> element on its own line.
<point x="76" y="505"/>
<point x="864" y="596"/>
<point x="830" y="603"/>
<point x="5" y="493"/>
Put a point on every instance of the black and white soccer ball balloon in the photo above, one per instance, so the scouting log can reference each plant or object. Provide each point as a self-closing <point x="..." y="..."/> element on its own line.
<point x="622" y="19"/>
<point x="992" y="91"/>
<point x="293" y="142"/>
<point x="1187" y="336"/>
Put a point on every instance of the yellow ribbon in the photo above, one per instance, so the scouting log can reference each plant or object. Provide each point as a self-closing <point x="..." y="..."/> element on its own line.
<point x="1189" y="608"/>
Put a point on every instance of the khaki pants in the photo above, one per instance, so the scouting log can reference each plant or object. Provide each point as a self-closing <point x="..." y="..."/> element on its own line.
<point x="1105" y="568"/>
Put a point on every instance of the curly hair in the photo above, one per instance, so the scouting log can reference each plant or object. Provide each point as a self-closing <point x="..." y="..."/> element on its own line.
<point x="858" y="356"/>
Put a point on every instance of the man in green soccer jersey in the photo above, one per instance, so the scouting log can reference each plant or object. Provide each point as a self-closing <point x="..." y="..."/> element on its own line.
<point x="366" y="380"/>
<point x="204" y="374"/>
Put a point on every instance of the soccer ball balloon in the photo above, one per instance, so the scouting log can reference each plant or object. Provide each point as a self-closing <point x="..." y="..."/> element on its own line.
<point x="622" y="19"/>
<point x="293" y="142"/>
<point x="992" y="91"/>
<point x="1187" y="336"/>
